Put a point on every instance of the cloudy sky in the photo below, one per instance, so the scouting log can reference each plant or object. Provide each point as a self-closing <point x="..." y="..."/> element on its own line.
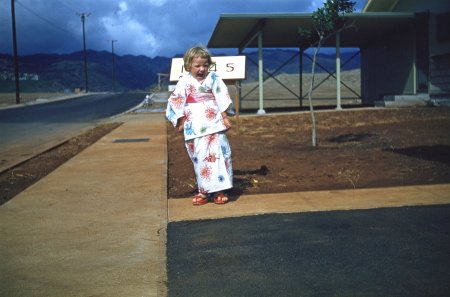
<point x="141" y="27"/>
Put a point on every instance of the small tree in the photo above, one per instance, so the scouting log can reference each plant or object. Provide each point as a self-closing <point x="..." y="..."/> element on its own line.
<point x="327" y="21"/>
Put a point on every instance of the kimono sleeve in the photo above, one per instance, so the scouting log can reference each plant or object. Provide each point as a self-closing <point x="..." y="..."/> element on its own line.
<point x="221" y="94"/>
<point x="176" y="102"/>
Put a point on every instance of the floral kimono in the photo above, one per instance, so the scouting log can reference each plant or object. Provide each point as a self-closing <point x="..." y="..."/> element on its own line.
<point x="201" y="103"/>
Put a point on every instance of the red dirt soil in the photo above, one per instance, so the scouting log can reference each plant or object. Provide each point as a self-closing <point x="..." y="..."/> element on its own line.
<point x="361" y="148"/>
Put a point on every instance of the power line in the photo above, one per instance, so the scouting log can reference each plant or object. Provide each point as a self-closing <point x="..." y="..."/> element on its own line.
<point x="70" y="8"/>
<point x="43" y="19"/>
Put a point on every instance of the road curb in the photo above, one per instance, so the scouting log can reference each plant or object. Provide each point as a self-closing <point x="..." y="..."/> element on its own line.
<point x="33" y="155"/>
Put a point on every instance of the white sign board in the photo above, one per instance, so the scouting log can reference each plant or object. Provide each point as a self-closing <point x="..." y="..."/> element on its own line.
<point x="227" y="67"/>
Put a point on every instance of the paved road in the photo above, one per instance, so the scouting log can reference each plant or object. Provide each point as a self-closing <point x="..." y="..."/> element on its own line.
<point x="28" y="129"/>
<point x="401" y="251"/>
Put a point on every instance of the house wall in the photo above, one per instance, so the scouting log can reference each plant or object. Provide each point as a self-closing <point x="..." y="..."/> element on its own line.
<point x="439" y="83"/>
<point x="434" y="7"/>
<point x="387" y="67"/>
<point x="438" y="47"/>
<point x="386" y="71"/>
<point x="438" y="43"/>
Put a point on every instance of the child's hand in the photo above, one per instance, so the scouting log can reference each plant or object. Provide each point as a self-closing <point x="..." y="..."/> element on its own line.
<point x="180" y="125"/>
<point x="227" y="123"/>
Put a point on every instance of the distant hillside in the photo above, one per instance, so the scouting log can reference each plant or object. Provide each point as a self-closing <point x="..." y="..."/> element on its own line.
<point x="60" y="72"/>
<point x="57" y="73"/>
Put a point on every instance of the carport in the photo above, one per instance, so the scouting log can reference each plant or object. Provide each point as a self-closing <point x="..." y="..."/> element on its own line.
<point x="260" y="31"/>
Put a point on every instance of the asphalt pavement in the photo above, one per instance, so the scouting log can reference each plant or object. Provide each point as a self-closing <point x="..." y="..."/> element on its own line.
<point x="31" y="128"/>
<point x="101" y="225"/>
<point x="402" y="251"/>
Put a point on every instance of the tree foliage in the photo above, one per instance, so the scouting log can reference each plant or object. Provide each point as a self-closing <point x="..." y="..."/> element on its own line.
<point x="328" y="20"/>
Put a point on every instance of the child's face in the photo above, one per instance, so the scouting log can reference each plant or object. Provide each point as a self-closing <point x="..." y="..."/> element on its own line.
<point x="199" y="68"/>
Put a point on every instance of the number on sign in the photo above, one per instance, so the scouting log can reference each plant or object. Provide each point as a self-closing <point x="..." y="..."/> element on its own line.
<point x="213" y="68"/>
<point x="231" y="67"/>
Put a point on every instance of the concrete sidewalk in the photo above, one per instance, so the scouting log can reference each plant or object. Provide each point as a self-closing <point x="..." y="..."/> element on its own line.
<point x="312" y="201"/>
<point x="96" y="226"/>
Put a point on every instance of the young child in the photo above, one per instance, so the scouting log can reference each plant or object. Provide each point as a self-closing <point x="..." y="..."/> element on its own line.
<point x="199" y="106"/>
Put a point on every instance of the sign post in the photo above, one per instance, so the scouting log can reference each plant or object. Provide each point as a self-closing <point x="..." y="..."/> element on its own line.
<point x="229" y="68"/>
<point x="236" y="99"/>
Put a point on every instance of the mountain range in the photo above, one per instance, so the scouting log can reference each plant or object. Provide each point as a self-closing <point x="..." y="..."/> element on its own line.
<point x="65" y="72"/>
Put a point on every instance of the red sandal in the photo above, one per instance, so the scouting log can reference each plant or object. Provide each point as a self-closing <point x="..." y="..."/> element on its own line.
<point x="200" y="199"/>
<point x="220" y="198"/>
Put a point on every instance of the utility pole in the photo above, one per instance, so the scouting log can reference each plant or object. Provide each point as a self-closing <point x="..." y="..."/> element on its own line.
<point x="83" y="15"/>
<point x="16" y="59"/>
<point x="113" y="72"/>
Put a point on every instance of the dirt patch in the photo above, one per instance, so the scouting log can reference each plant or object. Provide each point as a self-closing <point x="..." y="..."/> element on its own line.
<point x="17" y="179"/>
<point x="368" y="148"/>
<point x="356" y="149"/>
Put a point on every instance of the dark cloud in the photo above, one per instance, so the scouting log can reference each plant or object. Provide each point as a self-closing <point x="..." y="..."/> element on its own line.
<point x="142" y="27"/>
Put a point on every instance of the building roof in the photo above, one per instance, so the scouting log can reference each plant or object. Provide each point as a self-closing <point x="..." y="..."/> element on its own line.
<point x="281" y="30"/>
<point x="380" y="5"/>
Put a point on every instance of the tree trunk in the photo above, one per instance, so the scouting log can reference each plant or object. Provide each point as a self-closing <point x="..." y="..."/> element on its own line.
<point x="311" y="85"/>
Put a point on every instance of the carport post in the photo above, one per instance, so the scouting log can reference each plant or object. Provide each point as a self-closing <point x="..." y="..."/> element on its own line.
<point x="338" y="71"/>
<point x="237" y="102"/>
<point x="300" y="77"/>
<point x="260" y="74"/>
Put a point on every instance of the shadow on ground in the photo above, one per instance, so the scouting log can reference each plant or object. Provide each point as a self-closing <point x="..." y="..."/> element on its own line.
<point x="439" y="153"/>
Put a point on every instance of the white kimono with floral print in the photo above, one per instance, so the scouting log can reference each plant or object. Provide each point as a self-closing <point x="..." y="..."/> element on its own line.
<point x="201" y="103"/>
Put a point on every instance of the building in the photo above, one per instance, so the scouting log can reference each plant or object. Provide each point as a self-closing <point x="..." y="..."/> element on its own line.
<point x="404" y="44"/>
<point x="413" y="62"/>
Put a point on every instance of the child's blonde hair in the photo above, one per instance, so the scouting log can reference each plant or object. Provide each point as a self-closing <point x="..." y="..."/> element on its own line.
<point x="196" y="52"/>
